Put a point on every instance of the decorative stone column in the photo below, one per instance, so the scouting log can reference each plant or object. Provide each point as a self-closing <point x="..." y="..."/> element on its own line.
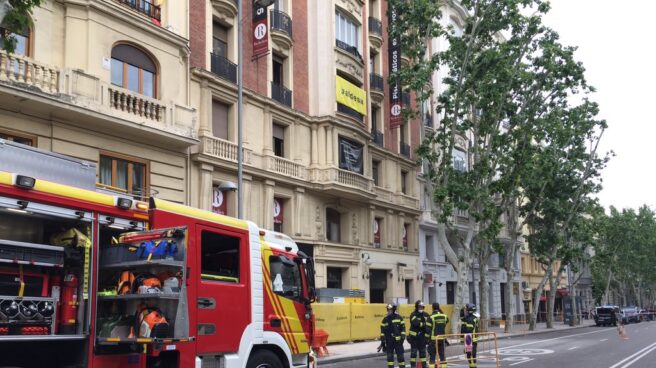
<point x="267" y="135"/>
<point x="314" y="159"/>
<point x="206" y="182"/>
<point x="297" y="220"/>
<point x="267" y="211"/>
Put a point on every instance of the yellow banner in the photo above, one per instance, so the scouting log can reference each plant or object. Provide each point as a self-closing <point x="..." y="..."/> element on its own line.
<point x="350" y="95"/>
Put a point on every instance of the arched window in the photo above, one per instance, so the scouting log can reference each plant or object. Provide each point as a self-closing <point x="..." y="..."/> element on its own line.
<point x="134" y="70"/>
<point x="22" y="41"/>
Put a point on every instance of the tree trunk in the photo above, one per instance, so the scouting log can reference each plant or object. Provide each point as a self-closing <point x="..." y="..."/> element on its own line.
<point x="536" y="297"/>
<point x="509" y="299"/>
<point x="610" y="276"/>
<point x="463" y="270"/>
<point x="484" y="297"/>
<point x="575" y="315"/>
<point x="551" y="299"/>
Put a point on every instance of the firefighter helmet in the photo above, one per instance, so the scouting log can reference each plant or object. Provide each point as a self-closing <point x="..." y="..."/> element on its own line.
<point x="419" y="304"/>
<point x="391" y="307"/>
<point x="471" y="308"/>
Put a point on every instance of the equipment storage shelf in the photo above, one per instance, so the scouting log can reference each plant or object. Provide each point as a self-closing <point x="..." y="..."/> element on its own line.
<point x="174" y="296"/>
<point x="155" y="263"/>
<point x="142" y="296"/>
<point x="140" y="340"/>
<point x="18" y="252"/>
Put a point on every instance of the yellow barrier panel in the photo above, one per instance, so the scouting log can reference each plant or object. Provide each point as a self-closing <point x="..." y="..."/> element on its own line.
<point x="365" y="321"/>
<point x="356" y="321"/>
<point x="335" y="319"/>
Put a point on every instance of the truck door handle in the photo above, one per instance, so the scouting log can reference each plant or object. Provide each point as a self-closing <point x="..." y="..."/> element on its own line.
<point x="275" y="322"/>
<point x="206" y="303"/>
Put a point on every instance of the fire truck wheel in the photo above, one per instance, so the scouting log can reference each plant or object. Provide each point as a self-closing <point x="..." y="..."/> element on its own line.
<point x="263" y="359"/>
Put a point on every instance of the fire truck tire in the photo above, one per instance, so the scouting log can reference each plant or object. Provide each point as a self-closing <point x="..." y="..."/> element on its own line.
<point x="263" y="359"/>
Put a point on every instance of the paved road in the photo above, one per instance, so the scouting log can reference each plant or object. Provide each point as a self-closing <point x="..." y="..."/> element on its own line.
<point x="592" y="347"/>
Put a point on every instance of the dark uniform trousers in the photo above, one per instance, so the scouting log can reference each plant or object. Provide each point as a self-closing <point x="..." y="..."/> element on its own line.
<point x="392" y="332"/>
<point x="469" y="325"/>
<point x="439" y="321"/>
<point x="420" y="323"/>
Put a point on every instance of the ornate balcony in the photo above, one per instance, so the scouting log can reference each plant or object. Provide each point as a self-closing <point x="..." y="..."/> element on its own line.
<point x="224" y="68"/>
<point x="343" y="182"/>
<point x="286" y="167"/>
<point x="375" y="32"/>
<point x="376" y="86"/>
<point x="144" y="7"/>
<point x="222" y="149"/>
<point x="92" y="103"/>
<point x="281" y="94"/>
<point x="378" y="138"/>
<point x="350" y="112"/>
<point x="405" y="149"/>
<point x="281" y="28"/>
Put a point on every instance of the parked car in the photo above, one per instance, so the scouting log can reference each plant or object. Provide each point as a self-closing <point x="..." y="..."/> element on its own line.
<point x="606" y="315"/>
<point x="630" y="315"/>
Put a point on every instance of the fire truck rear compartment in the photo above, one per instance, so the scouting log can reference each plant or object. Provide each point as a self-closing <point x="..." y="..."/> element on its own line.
<point x="31" y="269"/>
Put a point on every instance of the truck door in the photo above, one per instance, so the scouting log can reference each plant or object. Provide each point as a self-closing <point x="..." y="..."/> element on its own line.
<point x="286" y="296"/>
<point x="223" y="302"/>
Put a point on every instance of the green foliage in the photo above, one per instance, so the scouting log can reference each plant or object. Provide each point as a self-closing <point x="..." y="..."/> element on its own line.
<point x="504" y="95"/>
<point x="16" y="20"/>
<point x="624" y="256"/>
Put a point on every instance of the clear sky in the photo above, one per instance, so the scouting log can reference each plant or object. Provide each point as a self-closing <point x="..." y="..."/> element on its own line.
<point x="617" y="46"/>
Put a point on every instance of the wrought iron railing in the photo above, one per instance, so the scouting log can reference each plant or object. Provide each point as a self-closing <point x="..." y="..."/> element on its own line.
<point x="376" y="82"/>
<point x="350" y="49"/>
<point x="375" y="26"/>
<point x="224" y="68"/>
<point x="281" y="21"/>
<point x="377" y="137"/>
<point x="405" y="149"/>
<point x="349" y="111"/>
<point x="281" y="94"/>
<point x="144" y="7"/>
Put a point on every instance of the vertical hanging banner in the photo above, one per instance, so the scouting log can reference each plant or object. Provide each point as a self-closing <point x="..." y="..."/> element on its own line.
<point x="277" y="211"/>
<point x="394" y="53"/>
<point x="219" y="203"/>
<point x="376" y="234"/>
<point x="260" y="31"/>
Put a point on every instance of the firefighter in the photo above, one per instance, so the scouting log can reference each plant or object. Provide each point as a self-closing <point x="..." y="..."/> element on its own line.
<point x="469" y="325"/>
<point x="420" y="327"/>
<point x="438" y="321"/>
<point x="392" y="336"/>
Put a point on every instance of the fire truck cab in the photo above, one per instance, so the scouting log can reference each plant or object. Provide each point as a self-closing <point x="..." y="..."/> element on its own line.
<point x="90" y="278"/>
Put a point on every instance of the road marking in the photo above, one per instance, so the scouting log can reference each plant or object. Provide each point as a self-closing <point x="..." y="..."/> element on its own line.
<point x="633" y="356"/>
<point x="603" y="340"/>
<point x="556" y="338"/>
<point x="525" y="361"/>
<point x="639" y="357"/>
<point x="573" y="347"/>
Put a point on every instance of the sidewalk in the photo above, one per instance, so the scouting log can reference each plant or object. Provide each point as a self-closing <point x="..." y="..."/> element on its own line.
<point x="367" y="349"/>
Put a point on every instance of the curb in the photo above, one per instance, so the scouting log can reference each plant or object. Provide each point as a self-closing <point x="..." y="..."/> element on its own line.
<point x="344" y="358"/>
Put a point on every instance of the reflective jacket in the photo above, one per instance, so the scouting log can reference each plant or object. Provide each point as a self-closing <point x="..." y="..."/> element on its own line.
<point x="420" y="324"/>
<point x="439" y="321"/>
<point x="392" y="328"/>
<point x="469" y="325"/>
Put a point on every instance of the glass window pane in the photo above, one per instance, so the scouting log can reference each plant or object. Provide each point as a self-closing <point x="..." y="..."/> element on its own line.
<point x="219" y="257"/>
<point x="106" y="170"/>
<point x="21" y="45"/>
<point x="285" y="279"/>
<point x="148" y="84"/>
<point x="121" y="174"/>
<point x="117" y="73"/>
<point x="138" y="171"/>
<point x="133" y="78"/>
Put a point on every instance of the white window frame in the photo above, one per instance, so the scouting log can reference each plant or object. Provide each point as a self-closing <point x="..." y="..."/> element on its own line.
<point x="346" y="29"/>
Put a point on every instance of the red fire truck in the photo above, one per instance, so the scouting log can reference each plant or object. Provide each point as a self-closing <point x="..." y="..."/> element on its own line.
<point x="90" y="278"/>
